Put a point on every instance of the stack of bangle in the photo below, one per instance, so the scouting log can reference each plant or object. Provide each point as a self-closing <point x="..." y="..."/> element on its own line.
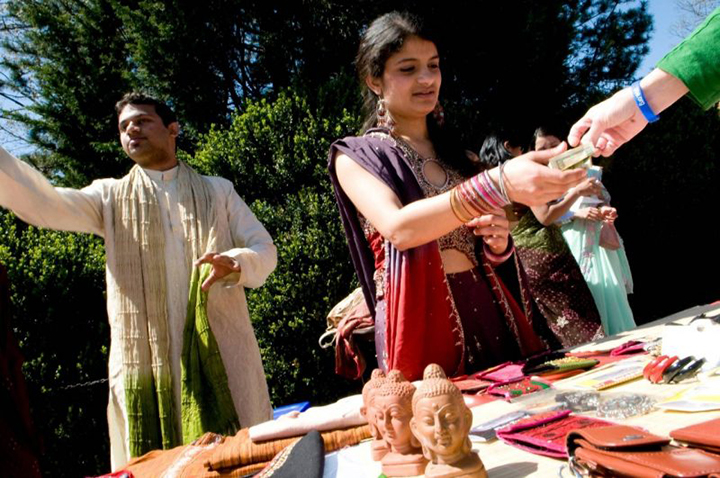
<point x="671" y="370"/>
<point x="478" y="195"/>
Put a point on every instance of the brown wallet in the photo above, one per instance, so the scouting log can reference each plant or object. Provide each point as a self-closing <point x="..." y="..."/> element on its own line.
<point x="704" y="435"/>
<point x="624" y="451"/>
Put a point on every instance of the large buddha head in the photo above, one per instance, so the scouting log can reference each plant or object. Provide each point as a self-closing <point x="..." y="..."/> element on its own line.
<point x="441" y="420"/>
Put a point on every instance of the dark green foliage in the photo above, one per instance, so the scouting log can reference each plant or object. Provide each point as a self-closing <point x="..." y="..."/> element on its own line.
<point x="68" y="62"/>
<point x="59" y="318"/>
<point x="276" y="154"/>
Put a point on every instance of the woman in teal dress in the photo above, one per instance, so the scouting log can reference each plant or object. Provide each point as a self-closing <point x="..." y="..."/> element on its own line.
<point x="606" y="271"/>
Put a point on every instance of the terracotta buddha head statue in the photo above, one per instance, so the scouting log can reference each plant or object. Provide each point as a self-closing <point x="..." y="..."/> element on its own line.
<point x="442" y="421"/>
<point x="379" y="447"/>
<point x="393" y="411"/>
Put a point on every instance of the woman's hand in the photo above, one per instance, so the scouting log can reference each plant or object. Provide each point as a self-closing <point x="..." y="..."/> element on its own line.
<point x="221" y="267"/>
<point x="494" y="229"/>
<point x="589" y="214"/>
<point x="529" y="181"/>
<point x="589" y="187"/>
<point x="609" y="213"/>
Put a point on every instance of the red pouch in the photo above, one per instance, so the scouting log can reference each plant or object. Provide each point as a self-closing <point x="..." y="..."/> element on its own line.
<point x="545" y="433"/>
<point x="502" y="373"/>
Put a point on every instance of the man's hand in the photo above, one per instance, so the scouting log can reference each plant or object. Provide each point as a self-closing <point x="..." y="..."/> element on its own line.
<point x="529" y="181"/>
<point x="615" y="121"/>
<point x="221" y="267"/>
<point x="610" y="124"/>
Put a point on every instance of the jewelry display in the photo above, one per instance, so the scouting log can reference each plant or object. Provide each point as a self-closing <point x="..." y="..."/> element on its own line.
<point x="579" y="402"/>
<point x="625" y="406"/>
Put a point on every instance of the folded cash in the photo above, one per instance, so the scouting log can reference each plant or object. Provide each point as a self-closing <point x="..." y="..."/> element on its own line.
<point x="580" y="157"/>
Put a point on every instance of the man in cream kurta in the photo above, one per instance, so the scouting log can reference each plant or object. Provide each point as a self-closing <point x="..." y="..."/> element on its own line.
<point x="249" y="250"/>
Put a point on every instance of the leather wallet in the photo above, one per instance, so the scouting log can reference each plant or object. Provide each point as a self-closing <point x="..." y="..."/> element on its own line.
<point x="624" y="451"/>
<point x="544" y="433"/>
<point x="704" y="435"/>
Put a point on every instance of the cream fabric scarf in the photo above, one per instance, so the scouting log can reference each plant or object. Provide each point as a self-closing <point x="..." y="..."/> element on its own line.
<point x="139" y="273"/>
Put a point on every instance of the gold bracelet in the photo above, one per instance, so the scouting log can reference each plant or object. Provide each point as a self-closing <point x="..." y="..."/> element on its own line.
<point x="456" y="208"/>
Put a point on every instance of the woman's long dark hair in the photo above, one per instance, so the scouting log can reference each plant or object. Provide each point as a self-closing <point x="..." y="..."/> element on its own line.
<point x="548" y="129"/>
<point x="493" y="152"/>
<point x="385" y="36"/>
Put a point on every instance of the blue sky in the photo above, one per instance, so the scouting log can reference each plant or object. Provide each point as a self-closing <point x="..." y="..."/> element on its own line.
<point x="664" y="14"/>
<point x="662" y="40"/>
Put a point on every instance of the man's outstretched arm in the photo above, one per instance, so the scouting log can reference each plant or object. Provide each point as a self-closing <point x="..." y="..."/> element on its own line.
<point x="27" y="193"/>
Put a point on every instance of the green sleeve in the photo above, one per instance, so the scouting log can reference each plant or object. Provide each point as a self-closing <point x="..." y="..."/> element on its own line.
<point x="696" y="61"/>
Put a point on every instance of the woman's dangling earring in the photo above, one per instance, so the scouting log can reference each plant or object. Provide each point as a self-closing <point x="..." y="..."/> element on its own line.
<point x="439" y="114"/>
<point x="384" y="120"/>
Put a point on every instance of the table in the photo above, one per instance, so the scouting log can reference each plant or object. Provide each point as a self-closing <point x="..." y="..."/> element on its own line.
<point x="502" y="460"/>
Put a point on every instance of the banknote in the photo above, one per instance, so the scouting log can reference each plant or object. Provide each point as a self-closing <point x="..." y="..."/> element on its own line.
<point x="580" y="157"/>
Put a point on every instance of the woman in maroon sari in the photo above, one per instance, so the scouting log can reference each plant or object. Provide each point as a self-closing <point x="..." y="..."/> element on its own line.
<point x="413" y="205"/>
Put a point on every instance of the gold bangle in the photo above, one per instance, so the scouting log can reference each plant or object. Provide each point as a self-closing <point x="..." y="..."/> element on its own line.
<point x="455" y="209"/>
<point x="471" y="212"/>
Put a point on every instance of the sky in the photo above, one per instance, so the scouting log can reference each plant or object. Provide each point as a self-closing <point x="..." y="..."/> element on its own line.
<point x="662" y="40"/>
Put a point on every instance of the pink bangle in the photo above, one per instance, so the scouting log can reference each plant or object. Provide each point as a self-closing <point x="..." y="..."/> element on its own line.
<point x="498" y="259"/>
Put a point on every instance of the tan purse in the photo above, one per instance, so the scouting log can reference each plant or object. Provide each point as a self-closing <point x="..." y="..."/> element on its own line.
<point x="349" y="317"/>
<point x="623" y="451"/>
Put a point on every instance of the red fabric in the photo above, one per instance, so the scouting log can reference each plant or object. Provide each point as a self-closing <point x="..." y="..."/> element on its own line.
<point x="349" y="361"/>
<point x="422" y="327"/>
<point x="19" y="443"/>
<point x="377" y="245"/>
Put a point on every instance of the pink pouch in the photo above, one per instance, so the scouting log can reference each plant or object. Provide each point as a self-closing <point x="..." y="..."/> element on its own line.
<point x="501" y="373"/>
<point x="629" y="347"/>
<point x="545" y="433"/>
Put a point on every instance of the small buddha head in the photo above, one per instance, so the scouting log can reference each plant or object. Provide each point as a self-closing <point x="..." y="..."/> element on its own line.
<point x="393" y="411"/>
<point x="441" y="420"/>
<point x="368" y="394"/>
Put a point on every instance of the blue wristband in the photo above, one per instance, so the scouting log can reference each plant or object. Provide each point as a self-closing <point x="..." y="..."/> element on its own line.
<point x="642" y="103"/>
